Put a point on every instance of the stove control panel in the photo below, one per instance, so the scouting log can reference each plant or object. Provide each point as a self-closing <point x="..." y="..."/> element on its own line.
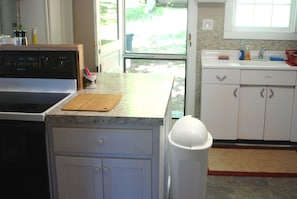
<point x="39" y="64"/>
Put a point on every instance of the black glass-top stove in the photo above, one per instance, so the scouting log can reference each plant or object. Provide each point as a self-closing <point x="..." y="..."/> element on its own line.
<point x="29" y="102"/>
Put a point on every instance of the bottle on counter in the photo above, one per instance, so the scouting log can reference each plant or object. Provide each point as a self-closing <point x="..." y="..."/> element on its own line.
<point x="34" y="35"/>
<point x="241" y="56"/>
<point x="247" y="53"/>
<point x="16" y="36"/>
<point x="24" y="39"/>
<point x="20" y="37"/>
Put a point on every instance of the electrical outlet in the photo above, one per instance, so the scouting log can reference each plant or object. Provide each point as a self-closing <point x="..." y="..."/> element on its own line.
<point x="207" y="24"/>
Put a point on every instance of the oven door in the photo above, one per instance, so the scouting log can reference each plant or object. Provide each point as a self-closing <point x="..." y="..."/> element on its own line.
<point x="23" y="160"/>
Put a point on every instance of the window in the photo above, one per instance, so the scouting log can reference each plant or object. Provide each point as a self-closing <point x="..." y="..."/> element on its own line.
<point x="260" y="19"/>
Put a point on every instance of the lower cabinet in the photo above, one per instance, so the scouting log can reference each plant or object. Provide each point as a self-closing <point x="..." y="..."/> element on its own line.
<point x="219" y="102"/>
<point x="107" y="163"/>
<point x="103" y="178"/>
<point x="249" y="104"/>
<point x="219" y="109"/>
<point x="265" y="112"/>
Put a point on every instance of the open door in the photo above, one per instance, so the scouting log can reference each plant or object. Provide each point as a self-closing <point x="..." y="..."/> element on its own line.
<point x="108" y="35"/>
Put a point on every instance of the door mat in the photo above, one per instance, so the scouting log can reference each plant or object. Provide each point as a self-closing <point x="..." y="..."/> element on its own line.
<point x="252" y="162"/>
<point x="93" y="102"/>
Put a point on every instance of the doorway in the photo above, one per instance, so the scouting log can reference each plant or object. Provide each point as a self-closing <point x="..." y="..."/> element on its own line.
<point x="152" y="36"/>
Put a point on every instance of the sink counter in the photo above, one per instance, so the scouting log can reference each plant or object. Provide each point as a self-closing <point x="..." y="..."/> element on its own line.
<point x="261" y="65"/>
<point x="209" y="59"/>
<point x="145" y="99"/>
<point x="260" y="97"/>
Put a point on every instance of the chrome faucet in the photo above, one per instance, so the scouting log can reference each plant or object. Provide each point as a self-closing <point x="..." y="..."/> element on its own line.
<point x="261" y="53"/>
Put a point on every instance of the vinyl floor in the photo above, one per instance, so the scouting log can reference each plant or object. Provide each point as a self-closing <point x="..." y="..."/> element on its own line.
<point x="237" y="187"/>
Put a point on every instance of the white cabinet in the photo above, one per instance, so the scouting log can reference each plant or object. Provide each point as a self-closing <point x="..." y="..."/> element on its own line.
<point x="219" y="102"/>
<point x="79" y="178"/>
<point x="249" y="104"/>
<point x="251" y="113"/>
<point x="104" y="163"/>
<point x="279" y="106"/>
<point x="124" y="141"/>
<point x="96" y="178"/>
<point x="126" y="178"/>
<point x="265" y="112"/>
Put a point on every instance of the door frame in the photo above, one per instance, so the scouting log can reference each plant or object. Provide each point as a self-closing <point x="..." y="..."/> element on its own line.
<point x="191" y="57"/>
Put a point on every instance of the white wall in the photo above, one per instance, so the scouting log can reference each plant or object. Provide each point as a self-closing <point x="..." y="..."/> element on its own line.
<point x="34" y="14"/>
<point x="8" y="16"/>
<point x="52" y="18"/>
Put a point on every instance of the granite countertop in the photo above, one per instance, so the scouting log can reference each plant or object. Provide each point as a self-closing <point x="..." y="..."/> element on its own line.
<point x="145" y="99"/>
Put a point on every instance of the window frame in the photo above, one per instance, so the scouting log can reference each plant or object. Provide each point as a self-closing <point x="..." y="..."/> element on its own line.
<point x="231" y="32"/>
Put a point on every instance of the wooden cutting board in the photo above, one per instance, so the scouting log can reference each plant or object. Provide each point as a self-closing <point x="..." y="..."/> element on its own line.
<point x="93" y="102"/>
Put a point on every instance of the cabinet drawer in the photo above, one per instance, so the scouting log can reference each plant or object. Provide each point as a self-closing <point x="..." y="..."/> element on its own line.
<point x="266" y="77"/>
<point x="220" y="76"/>
<point x="84" y="140"/>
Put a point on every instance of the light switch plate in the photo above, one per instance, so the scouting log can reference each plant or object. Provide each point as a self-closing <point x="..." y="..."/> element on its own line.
<point x="207" y="24"/>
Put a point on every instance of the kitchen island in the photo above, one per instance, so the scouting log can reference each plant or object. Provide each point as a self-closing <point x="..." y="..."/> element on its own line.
<point x="116" y="154"/>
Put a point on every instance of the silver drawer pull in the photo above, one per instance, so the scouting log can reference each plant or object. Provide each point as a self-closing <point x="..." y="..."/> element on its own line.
<point x="221" y="78"/>
<point x="262" y="93"/>
<point x="235" y="93"/>
<point x="100" y="141"/>
<point x="97" y="169"/>
<point x="271" y="93"/>
<point x="106" y="169"/>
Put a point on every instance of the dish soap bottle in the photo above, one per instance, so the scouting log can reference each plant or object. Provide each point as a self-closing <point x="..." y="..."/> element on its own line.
<point x="241" y="51"/>
<point x="247" y="53"/>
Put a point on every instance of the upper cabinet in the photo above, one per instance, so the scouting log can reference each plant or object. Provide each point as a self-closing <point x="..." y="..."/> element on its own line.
<point x="52" y="20"/>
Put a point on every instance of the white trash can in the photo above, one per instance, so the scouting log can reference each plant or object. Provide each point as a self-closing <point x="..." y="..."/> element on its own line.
<point x="189" y="143"/>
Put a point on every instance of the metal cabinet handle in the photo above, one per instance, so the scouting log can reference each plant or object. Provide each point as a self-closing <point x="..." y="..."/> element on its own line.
<point x="235" y="93"/>
<point x="221" y="78"/>
<point x="262" y="93"/>
<point x="98" y="169"/>
<point x="106" y="169"/>
<point x="271" y="93"/>
<point x="100" y="141"/>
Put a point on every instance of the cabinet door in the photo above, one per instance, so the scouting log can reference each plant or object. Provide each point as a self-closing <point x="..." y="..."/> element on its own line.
<point x="79" y="178"/>
<point x="251" y="112"/>
<point x="126" y="178"/>
<point x="219" y="109"/>
<point x="278" y="113"/>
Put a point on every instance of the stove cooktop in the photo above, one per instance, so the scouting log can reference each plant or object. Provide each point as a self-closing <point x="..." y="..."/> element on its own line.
<point x="29" y="102"/>
<point x="34" y="81"/>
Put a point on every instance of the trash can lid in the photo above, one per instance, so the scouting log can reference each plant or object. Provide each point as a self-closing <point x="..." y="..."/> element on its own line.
<point x="190" y="133"/>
